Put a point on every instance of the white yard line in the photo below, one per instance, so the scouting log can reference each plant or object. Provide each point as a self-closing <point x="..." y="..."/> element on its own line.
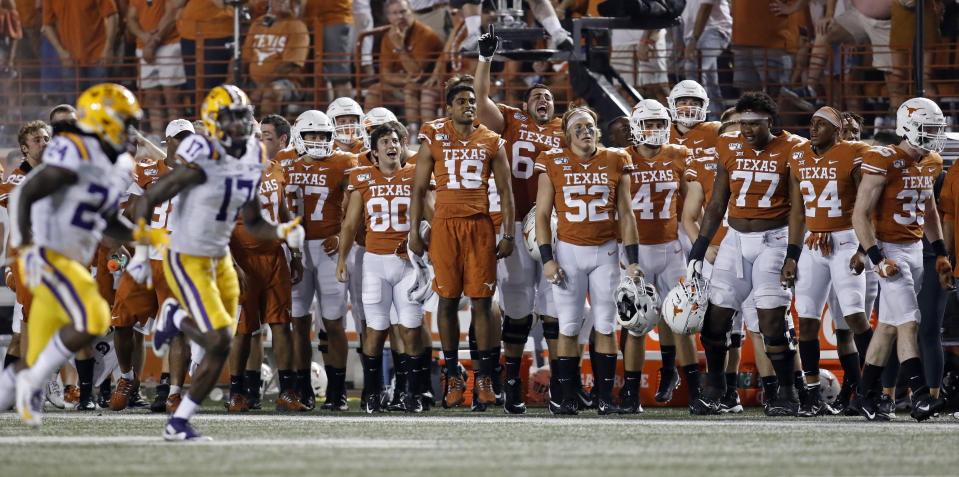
<point x="345" y="443"/>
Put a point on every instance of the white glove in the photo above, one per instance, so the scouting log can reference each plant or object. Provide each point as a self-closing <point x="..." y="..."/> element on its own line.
<point x="694" y="269"/>
<point x="34" y="267"/>
<point x="421" y="289"/>
<point x="139" y="266"/>
<point x="292" y="232"/>
<point x="425" y="233"/>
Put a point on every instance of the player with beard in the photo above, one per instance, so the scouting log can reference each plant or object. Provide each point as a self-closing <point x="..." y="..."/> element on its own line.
<point x="752" y="182"/>
<point x="463" y="247"/>
<point x="523" y="290"/>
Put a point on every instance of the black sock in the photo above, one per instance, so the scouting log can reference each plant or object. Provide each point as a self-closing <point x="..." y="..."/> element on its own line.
<point x="287" y="380"/>
<point x="513" y="366"/>
<point x="9" y="359"/>
<point x="85" y="377"/>
<point x="339" y="377"/>
<point x="669" y="356"/>
<point x="303" y="383"/>
<point x="236" y="384"/>
<point x="732" y="381"/>
<point x="784" y="365"/>
<point x="372" y="366"/>
<point x="555" y="383"/>
<point x="809" y="357"/>
<point x="633" y="379"/>
<point x="165" y="379"/>
<point x="715" y="368"/>
<point x="485" y="364"/>
<point x="890" y="372"/>
<point x="770" y="386"/>
<point x="871" y="375"/>
<point x="851" y="371"/>
<point x="452" y="363"/>
<point x="401" y="367"/>
<point x="912" y="372"/>
<point x="414" y="373"/>
<point x="605" y="372"/>
<point x="862" y="343"/>
<point x="567" y="369"/>
<point x="578" y="376"/>
<point x="495" y="353"/>
<point x="426" y="363"/>
<point x="691" y="371"/>
<point x="254" y="383"/>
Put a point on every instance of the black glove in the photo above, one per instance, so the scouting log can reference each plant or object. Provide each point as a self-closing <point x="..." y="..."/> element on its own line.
<point x="487" y="45"/>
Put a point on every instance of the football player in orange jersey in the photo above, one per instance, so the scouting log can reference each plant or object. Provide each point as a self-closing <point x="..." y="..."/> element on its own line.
<point x="896" y="207"/>
<point x="267" y="295"/>
<point x="522" y="288"/>
<point x="383" y="192"/>
<point x="851" y="126"/>
<point x="316" y="184"/>
<point x="752" y="182"/>
<point x="656" y="182"/>
<point x="588" y="185"/>
<point x="826" y="172"/>
<point x="463" y="248"/>
<point x="688" y="105"/>
<point x="347" y="116"/>
<point x="135" y="302"/>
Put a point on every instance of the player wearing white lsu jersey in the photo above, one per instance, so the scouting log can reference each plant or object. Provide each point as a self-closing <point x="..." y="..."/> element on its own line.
<point x="60" y="213"/>
<point x="218" y="181"/>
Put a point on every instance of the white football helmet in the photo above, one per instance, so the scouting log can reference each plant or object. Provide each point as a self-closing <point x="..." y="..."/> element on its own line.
<point x="346" y="133"/>
<point x="688" y="116"/>
<point x="638" y="305"/>
<point x="684" y="307"/>
<point x="529" y="232"/>
<point x="313" y="121"/>
<point x="921" y="122"/>
<point x="318" y="379"/>
<point x="644" y="111"/>
<point x="829" y="386"/>
<point x="372" y="119"/>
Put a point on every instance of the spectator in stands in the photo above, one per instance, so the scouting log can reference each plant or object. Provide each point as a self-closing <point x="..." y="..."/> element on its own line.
<point x="209" y="22"/>
<point x="275" y="134"/>
<point x="707" y="29"/>
<point x="274" y="57"/>
<point x="62" y="113"/>
<point x="763" y="45"/>
<point x="332" y="22"/>
<point x="30" y="20"/>
<point x="407" y="54"/>
<point x="901" y="37"/>
<point x="649" y="73"/>
<point x="161" y="61"/>
<point x="434" y="14"/>
<point x="83" y="33"/>
<point x="11" y="34"/>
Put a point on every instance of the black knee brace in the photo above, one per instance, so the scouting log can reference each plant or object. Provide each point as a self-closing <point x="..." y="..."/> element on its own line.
<point x="323" y="347"/>
<point x="516" y="330"/>
<point x="551" y="330"/>
<point x="735" y="340"/>
<point x="777" y="341"/>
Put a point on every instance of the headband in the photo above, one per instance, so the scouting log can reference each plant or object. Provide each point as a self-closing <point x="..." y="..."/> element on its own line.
<point x="575" y="116"/>
<point x="752" y="116"/>
<point x="829" y="114"/>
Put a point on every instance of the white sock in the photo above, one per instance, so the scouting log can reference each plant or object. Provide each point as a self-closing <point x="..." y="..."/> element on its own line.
<point x="551" y="24"/>
<point x="128" y="375"/>
<point x="53" y="355"/>
<point x="174" y="389"/>
<point x="187" y="408"/>
<point x="8" y="383"/>
<point x="473" y="24"/>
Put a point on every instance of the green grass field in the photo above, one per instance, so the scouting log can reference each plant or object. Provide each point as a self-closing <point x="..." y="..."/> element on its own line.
<point x="659" y="442"/>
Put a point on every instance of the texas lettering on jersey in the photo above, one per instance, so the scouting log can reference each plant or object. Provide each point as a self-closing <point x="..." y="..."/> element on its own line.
<point x="901" y="209"/>
<point x="827" y="183"/>
<point x="315" y="190"/>
<point x="584" y="192"/>
<point x="654" y="186"/>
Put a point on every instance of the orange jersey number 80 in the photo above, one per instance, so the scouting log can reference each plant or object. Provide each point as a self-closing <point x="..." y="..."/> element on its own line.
<point x="388" y="213"/>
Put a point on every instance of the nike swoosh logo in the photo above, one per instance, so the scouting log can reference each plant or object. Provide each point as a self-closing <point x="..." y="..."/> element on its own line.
<point x="842" y="243"/>
<point x="832" y="162"/>
<point x="773" y="154"/>
<point x="406" y="179"/>
<point x="610" y="254"/>
<point x="601" y="167"/>
<point x="677" y="251"/>
<point x="780" y="237"/>
<point x="697" y="142"/>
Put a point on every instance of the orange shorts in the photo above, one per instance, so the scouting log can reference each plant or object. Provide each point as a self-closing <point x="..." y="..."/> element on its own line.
<point x="135" y="303"/>
<point x="463" y="251"/>
<point x="269" y="294"/>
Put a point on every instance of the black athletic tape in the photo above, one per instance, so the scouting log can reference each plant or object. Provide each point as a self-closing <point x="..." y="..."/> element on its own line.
<point x="632" y="253"/>
<point x="516" y="331"/>
<point x="776" y="341"/>
<point x="546" y="253"/>
<point x="551" y="330"/>
<point x="698" y="252"/>
<point x="940" y="248"/>
<point x="793" y="251"/>
<point x="735" y="340"/>
<point x="875" y="254"/>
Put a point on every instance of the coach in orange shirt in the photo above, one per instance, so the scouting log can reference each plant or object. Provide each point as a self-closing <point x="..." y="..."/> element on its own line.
<point x="407" y="54"/>
<point x="274" y="56"/>
<point x="83" y="34"/>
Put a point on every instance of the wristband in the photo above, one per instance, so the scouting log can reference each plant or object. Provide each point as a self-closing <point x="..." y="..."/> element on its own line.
<point x="940" y="248"/>
<point x="793" y="251"/>
<point x="632" y="253"/>
<point x="698" y="252"/>
<point x="860" y="250"/>
<point x="875" y="255"/>
<point x="545" y="253"/>
<point x="485" y="59"/>
<point x="508" y="237"/>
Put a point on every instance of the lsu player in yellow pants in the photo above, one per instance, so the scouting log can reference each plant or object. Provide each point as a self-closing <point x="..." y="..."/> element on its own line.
<point x="218" y="181"/>
<point x="59" y="213"/>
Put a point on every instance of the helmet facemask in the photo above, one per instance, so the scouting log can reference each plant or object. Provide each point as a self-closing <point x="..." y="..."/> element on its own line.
<point x="347" y="133"/>
<point x="688" y="115"/>
<point x="235" y="123"/>
<point x="650" y="133"/>
<point x="318" y="148"/>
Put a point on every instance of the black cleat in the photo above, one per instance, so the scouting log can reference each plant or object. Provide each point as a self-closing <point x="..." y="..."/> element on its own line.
<point x="606" y="407"/>
<point x="513" y="401"/>
<point x="925" y="406"/>
<point x="87" y="404"/>
<point x="786" y="403"/>
<point x="308" y="398"/>
<point x="668" y="382"/>
<point x="497" y="379"/>
<point x="554" y="407"/>
<point x="730" y="403"/>
<point x="629" y="402"/>
<point x="398" y="403"/>
<point x="371" y="403"/>
<point x="413" y="403"/>
<point x="159" y="403"/>
<point x="885" y="408"/>
<point x="811" y="404"/>
<point x="585" y="400"/>
<point x="864" y="406"/>
<point x="707" y="404"/>
<point x="426" y="400"/>
<point x="103" y="402"/>
<point x="569" y="407"/>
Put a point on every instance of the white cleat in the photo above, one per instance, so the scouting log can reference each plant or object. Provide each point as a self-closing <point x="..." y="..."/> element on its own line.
<point x="29" y="401"/>
<point x="55" y="391"/>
